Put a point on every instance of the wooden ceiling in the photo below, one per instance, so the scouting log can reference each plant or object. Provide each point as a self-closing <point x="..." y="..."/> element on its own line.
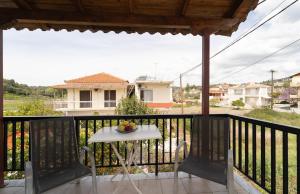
<point x="153" y="16"/>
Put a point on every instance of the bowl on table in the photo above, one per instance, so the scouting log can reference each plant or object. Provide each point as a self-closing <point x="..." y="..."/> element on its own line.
<point x="126" y="127"/>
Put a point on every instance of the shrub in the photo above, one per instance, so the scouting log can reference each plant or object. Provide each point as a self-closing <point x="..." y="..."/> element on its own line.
<point x="238" y="103"/>
<point x="133" y="106"/>
<point x="213" y="102"/>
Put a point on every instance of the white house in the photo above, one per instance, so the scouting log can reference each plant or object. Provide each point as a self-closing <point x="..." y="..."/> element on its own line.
<point x="101" y="93"/>
<point x="155" y="93"/>
<point x="93" y="94"/>
<point x="252" y="94"/>
<point x="295" y="83"/>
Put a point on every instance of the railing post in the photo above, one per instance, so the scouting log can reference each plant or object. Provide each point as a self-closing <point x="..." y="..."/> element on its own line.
<point x="156" y="157"/>
<point x="156" y="151"/>
<point x="1" y="113"/>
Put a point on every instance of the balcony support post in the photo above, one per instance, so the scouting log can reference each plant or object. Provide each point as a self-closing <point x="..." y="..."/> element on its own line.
<point x="1" y="113"/>
<point x="205" y="73"/>
<point x="205" y="94"/>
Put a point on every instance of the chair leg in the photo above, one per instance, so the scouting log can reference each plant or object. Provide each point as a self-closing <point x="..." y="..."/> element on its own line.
<point x="176" y="168"/>
<point x="77" y="181"/>
<point x="176" y="173"/>
<point x="28" y="179"/>
<point x="92" y="161"/>
<point x="94" y="183"/>
<point x="94" y="180"/>
<point x="177" y="157"/>
<point x="230" y="180"/>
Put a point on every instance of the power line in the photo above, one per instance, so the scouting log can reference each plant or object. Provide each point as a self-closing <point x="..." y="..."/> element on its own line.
<point x="243" y="36"/>
<point x="261" y="2"/>
<point x="262" y="18"/>
<point x="237" y="40"/>
<point x="260" y="60"/>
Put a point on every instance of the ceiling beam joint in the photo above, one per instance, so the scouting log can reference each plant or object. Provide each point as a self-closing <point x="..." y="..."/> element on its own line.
<point x="23" y="4"/>
<point x="183" y="5"/>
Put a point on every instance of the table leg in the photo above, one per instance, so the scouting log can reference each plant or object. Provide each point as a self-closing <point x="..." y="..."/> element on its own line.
<point x="128" y="162"/>
<point x="124" y="167"/>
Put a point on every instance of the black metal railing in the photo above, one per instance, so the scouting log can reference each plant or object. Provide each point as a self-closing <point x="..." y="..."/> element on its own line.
<point x="174" y="128"/>
<point x="265" y="152"/>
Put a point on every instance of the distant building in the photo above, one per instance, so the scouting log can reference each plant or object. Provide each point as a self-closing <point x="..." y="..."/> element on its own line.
<point x="252" y="94"/>
<point x="100" y="94"/>
<point x="155" y="93"/>
<point x="93" y="94"/>
<point x="295" y="83"/>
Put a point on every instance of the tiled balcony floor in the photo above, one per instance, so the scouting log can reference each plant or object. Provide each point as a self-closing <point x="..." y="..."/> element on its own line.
<point x="163" y="184"/>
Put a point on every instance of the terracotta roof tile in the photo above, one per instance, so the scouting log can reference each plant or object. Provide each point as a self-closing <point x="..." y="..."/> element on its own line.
<point x="159" y="105"/>
<point x="97" y="78"/>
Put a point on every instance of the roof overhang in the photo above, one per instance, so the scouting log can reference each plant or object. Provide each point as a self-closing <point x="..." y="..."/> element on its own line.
<point x="153" y="82"/>
<point x="180" y="16"/>
<point x="92" y="86"/>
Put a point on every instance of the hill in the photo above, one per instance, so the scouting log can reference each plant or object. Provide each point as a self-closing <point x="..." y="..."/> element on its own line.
<point x="14" y="90"/>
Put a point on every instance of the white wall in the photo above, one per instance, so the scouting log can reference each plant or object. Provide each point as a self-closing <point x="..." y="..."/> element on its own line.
<point x="296" y="80"/>
<point x="252" y="97"/>
<point x="162" y="93"/>
<point x="73" y="97"/>
<point x="232" y="96"/>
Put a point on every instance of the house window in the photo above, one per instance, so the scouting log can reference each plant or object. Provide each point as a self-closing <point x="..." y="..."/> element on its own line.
<point x="238" y="92"/>
<point x="109" y="98"/>
<point x="85" y="98"/>
<point x="147" y="95"/>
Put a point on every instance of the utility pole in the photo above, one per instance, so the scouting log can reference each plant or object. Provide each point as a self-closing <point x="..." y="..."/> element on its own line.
<point x="181" y="93"/>
<point x="272" y="87"/>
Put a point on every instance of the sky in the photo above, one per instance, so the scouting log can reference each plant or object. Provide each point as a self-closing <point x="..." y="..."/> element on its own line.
<point x="48" y="58"/>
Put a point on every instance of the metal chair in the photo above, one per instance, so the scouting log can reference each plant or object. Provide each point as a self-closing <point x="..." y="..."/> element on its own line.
<point x="209" y="155"/>
<point x="54" y="156"/>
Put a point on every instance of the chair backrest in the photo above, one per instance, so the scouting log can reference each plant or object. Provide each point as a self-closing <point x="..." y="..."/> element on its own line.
<point x="53" y="145"/>
<point x="209" y="139"/>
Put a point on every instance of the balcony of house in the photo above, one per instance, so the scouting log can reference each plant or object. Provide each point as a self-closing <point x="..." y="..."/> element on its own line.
<point x="265" y="155"/>
<point x="295" y="84"/>
<point x="252" y="92"/>
<point x="82" y="107"/>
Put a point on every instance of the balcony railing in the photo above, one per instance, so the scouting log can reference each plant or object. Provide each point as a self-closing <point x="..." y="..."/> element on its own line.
<point x="61" y="105"/>
<point x="265" y="152"/>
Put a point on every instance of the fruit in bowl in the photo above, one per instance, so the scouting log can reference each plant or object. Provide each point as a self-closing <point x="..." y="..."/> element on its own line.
<point x="126" y="127"/>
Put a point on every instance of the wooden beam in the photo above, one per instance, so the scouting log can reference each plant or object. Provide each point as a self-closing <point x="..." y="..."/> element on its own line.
<point x="205" y="73"/>
<point x="183" y="7"/>
<point x="235" y="7"/>
<point x="130" y="6"/>
<point x="79" y="6"/>
<point x="1" y="113"/>
<point x="23" y="4"/>
<point x="205" y="95"/>
<point x="75" y="18"/>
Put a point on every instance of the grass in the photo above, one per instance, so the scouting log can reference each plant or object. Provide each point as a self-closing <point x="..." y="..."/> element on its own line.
<point x="280" y="118"/>
<point x="10" y="96"/>
<point x="292" y="119"/>
<point x="12" y="101"/>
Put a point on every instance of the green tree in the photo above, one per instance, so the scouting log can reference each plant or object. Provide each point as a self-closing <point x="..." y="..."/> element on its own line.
<point x="214" y="102"/>
<point x="238" y="103"/>
<point x="276" y="94"/>
<point x="133" y="106"/>
<point x="286" y="84"/>
<point x="187" y="88"/>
